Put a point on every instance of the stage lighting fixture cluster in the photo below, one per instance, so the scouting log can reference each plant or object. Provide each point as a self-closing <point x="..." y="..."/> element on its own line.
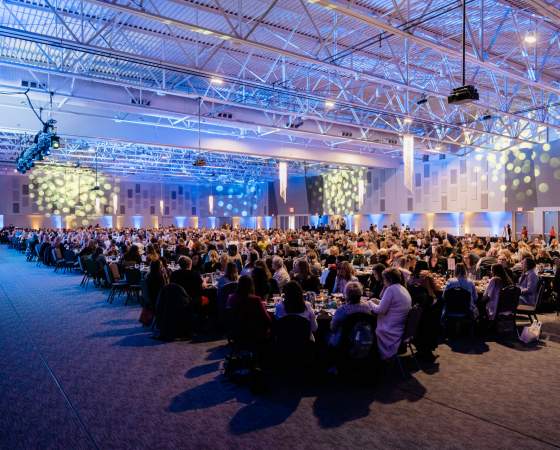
<point x="44" y="141"/>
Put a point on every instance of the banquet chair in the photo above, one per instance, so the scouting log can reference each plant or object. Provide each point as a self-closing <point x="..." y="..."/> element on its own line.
<point x="70" y="260"/>
<point x="420" y="296"/>
<point x="173" y="313"/>
<point x="39" y="253"/>
<point x="530" y="311"/>
<point x="223" y="293"/>
<point x="409" y="334"/>
<point x="133" y="278"/>
<point x="57" y="258"/>
<point x="347" y="363"/>
<point x="457" y="307"/>
<point x="91" y="272"/>
<point x="508" y="302"/>
<point x="292" y="348"/>
<point x="116" y="286"/>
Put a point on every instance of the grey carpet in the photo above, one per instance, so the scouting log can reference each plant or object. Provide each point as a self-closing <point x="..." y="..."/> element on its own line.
<point x="78" y="373"/>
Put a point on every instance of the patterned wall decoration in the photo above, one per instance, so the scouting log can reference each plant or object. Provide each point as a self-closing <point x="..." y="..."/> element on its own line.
<point x="341" y="190"/>
<point x="71" y="192"/>
<point x="241" y="200"/>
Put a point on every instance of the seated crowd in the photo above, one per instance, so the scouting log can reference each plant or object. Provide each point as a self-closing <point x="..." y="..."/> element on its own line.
<point x="263" y="277"/>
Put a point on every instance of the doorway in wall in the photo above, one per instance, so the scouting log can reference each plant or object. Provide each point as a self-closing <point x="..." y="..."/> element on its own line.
<point x="550" y="219"/>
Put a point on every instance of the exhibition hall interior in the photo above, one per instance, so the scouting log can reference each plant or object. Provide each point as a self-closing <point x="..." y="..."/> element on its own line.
<point x="232" y="224"/>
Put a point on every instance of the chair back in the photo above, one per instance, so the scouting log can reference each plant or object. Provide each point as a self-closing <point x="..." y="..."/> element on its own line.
<point x="508" y="300"/>
<point x="81" y="264"/>
<point x="91" y="266"/>
<point x="223" y="294"/>
<point x="115" y="272"/>
<point x="274" y="288"/>
<point x="108" y="275"/>
<point x="132" y="275"/>
<point x="291" y="333"/>
<point x="291" y="338"/>
<point x="419" y="295"/>
<point x="358" y="340"/>
<point x="541" y="292"/>
<point x="457" y="302"/>
<point x="330" y="280"/>
<point x="173" y="312"/>
<point x="412" y="323"/>
<point x="69" y="256"/>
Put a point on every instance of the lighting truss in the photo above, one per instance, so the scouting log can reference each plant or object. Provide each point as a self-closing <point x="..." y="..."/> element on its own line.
<point x="284" y="57"/>
<point x="136" y="161"/>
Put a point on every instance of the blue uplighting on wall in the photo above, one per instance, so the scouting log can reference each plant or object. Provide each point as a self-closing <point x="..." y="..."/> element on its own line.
<point x="268" y="221"/>
<point x="106" y="221"/>
<point x="375" y="219"/>
<point x="137" y="221"/>
<point x="497" y="219"/>
<point x="57" y="221"/>
<point x="314" y="220"/>
<point x="180" y="221"/>
<point x="406" y="219"/>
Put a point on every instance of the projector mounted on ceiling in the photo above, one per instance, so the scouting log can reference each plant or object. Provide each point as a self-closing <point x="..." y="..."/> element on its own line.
<point x="199" y="162"/>
<point x="466" y="93"/>
<point x="463" y="94"/>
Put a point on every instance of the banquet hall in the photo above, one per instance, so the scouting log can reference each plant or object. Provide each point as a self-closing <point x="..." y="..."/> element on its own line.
<point x="279" y="224"/>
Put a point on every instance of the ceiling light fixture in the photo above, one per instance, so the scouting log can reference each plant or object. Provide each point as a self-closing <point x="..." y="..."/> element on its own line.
<point x="530" y="38"/>
<point x="216" y="80"/>
<point x="329" y="104"/>
<point x="407" y="120"/>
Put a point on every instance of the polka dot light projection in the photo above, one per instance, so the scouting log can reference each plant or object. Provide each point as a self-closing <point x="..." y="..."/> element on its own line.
<point x="237" y="200"/>
<point x="67" y="191"/>
<point x="342" y="190"/>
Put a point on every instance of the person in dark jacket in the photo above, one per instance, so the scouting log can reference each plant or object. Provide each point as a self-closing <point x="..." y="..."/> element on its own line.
<point x="173" y="314"/>
<point x="188" y="279"/>
<point x="251" y="322"/>
<point x="155" y="281"/>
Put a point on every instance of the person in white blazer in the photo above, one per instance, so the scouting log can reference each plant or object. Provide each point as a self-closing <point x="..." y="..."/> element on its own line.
<point x="392" y="311"/>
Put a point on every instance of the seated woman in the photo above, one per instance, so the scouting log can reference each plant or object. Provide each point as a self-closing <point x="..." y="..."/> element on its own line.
<point x="249" y="319"/>
<point x="344" y="274"/>
<point x="543" y="257"/>
<point x="213" y="263"/>
<point x="156" y="279"/>
<point x="392" y="311"/>
<point x="265" y="286"/>
<point x="132" y="256"/>
<point x="423" y="291"/>
<point x="230" y="275"/>
<point x="437" y="263"/>
<point x="305" y="278"/>
<point x="500" y="279"/>
<point x="422" y="278"/>
<point x="376" y="280"/>
<point x="293" y="304"/>
<point x="151" y="254"/>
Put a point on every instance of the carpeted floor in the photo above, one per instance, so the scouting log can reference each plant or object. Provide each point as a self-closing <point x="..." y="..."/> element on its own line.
<point x="78" y="373"/>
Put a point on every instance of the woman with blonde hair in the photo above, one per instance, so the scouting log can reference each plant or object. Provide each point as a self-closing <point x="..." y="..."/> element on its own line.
<point x="151" y="254"/>
<point x="213" y="263"/>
